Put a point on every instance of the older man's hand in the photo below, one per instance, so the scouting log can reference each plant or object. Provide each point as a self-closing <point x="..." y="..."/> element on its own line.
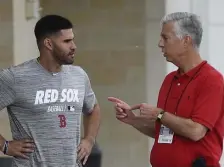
<point x="123" y="111"/>
<point x="147" y="111"/>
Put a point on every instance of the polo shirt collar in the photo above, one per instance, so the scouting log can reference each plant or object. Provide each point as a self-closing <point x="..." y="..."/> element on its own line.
<point x="192" y="72"/>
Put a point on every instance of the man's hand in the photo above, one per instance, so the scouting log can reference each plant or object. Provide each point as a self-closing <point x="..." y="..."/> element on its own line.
<point x="125" y="114"/>
<point x="123" y="110"/>
<point x="84" y="149"/>
<point x="20" y="148"/>
<point x="147" y="111"/>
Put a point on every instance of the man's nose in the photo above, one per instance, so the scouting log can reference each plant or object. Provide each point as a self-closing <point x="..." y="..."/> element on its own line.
<point x="160" y="44"/>
<point x="73" y="47"/>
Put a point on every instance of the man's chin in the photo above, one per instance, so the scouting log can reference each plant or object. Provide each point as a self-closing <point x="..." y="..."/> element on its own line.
<point x="70" y="59"/>
<point x="168" y="60"/>
<point x="68" y="62"/>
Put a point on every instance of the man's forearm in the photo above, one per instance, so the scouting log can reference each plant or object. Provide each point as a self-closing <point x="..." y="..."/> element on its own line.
<point x="148" y="130"/>
<point x="2" y="141"/>
<point x="183" y="127"/>
<point x="92" y="124"/>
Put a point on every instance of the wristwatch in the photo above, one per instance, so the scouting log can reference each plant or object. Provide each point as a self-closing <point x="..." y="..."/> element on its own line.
<point x="159" y="117"/>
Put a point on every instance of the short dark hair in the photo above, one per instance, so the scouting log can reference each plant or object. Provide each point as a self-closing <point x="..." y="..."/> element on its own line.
<point x="50" y="24"/>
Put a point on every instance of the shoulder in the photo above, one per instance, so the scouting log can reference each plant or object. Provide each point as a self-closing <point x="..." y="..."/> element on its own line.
<point x="23" y="68"/>
<point x="6" y="76"/>
<point x="210" y="75"/>
<point x="23" y="71"/>
<point x="75" y="70"/>
<point x="214" y="73"/>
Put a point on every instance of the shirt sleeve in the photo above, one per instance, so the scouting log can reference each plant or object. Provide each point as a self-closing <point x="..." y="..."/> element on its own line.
<point x="7" y="92"/>
<point x="90" y="98"/>
<point x="209" y="103"/>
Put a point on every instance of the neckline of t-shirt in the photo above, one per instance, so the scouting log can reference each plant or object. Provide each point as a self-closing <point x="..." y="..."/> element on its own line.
<point x="48" y="72"/>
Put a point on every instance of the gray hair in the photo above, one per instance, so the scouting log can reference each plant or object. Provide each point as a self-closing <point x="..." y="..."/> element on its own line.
<point x="186" y="24"/>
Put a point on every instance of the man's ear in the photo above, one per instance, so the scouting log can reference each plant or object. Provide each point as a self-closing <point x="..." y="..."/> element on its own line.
<point x="48" y="43"/>
<point x="187" y="41"/>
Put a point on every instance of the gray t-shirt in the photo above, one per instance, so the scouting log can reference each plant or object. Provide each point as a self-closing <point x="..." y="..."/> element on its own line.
<point x="47" y="108"/>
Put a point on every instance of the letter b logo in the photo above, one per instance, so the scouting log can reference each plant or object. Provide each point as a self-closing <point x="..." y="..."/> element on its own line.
<point x="62" y="119"/>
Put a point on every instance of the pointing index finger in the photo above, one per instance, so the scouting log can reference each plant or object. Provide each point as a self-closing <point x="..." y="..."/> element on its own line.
<point x="115" y="100"/>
